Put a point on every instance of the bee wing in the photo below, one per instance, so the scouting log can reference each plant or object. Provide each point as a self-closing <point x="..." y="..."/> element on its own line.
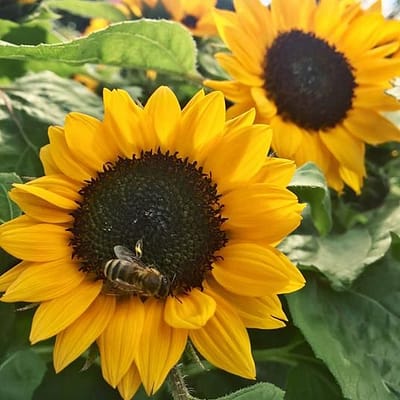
<point x="124" y="253"/>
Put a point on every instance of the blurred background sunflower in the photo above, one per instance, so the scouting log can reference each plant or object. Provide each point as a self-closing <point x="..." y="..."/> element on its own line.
<point x="318" y="74"/>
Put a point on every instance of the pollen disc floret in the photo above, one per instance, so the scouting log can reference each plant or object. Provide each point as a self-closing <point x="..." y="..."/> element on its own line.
<point x="167" y="202"/>
<point x="317" y="72"/>
<point x="310" y="82"/>
<point x="187" y="194"/>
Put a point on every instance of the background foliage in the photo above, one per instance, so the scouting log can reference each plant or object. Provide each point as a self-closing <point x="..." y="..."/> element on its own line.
<point x="343" y="338"/>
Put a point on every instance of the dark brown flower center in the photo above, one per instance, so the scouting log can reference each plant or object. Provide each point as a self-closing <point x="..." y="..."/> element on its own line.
<point x="311" y="83"/>
<point x="167" y="203"/>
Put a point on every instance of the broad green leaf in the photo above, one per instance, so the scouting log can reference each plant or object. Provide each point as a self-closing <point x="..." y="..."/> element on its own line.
<point x="20" y="374"/>
<point x="144" y="44"/>
<point x="7" y="318"/>
<point x="310" y="186"/>
<point x="89" y="9"/>
<point x="309" y="382"/>
<point x="72" y="383"/>
<point x="356" y="333"/>
<point x="343" y="257"/>
<point x="27" y="108"/>
<point x="259" y="391"/>
<point x="8" y="209"/>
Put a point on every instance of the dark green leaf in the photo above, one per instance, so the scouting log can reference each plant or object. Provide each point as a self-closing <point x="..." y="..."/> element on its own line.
<point x="355" y="332"/>
<point x="20" y="374"/>
<point x="89" y="9"/>
<point x="259" y="391"/>
<point x="7" y="318"/>
<point x="8" y="209"/>
<point x="72" y="383"/>
<point x="310" y="186"/>
<point x="306" y="381"/>
<point x="145" y="44"/>
<point x="28" y="108"/>
<point x="343" y="257"/>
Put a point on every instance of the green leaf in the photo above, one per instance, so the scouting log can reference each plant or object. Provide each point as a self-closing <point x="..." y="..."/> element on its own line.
<point x="8" y="209"/>
<point x="310" y="186"/>
<point x="343" y="257"/>
<point x="306" y="381"/>
<point x="356" y="333"/>
<point x="7" y="318"/>
<point x="28" y="108"/>
<point x="20" y="374"/>
<point x="89" y="9"/>
<point x="144" y="44"/>
<point x="259" y="391"/>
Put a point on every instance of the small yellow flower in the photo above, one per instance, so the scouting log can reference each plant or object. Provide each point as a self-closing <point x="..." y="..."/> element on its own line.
<point x="193" y="199"/>
<point x="317" y="72"/>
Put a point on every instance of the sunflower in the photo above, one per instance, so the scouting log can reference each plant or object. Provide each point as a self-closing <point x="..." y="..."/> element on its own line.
<point x="187" y="200"/>
<point x="196" y="15"/>
<point x="317" y="72"/>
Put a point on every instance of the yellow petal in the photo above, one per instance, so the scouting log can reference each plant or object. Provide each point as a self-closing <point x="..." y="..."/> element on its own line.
<point x="247" y="146"/>
<point x="43" y="204"/>
<point x="249" y="269"/>
<point x="53" y="316"/>
<point x="49" y="165"/>
<point x="261" y="211"/>
<point x="225" y="343"/>
<point x="351" y="178"/>
<point x="161" y="347"/>
<point x="130" y="383"/>
<point x="44" y="281"/>
<point x="347" y="149"/>
<point x="255" y="312"/>
<point x="241" y="121"/>
<point x="370" y="127"/>
<point x="119" y="342"/>
<point x="83" y="135"/>
<point x="64" y="159"/>
<point x="191" y="311"/>
<point x="287" y="138"/>
<point x="40" y="242"/>
<point x="121" y="119"/>
<point x="202" y="121"/>
<point x="164" y="113"/>
<point x="276" y="171"/>
<point x="11" y="275"/>
<point x="78" y="336"/>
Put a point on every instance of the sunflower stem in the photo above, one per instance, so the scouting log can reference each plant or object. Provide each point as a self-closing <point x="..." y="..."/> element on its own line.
<point x="192" y="354"/>
<point x="178" y="387"/>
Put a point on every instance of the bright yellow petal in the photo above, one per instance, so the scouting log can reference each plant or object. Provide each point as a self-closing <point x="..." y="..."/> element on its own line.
<point x="276" y="171"/>
<point x="371" y="127"/>
<point x="202" y="121"/>
<point x="161" y="347"/>
<point x="55" y="315"/>
<point x="191" y="311"/>
<point x="164" y="114"/>
<point x="121" y="122"/>
<point x="49" y="165"/>
<point x="44" y="281"/>
<point x="249" y="269"/>
<point x="119" y="342"/>
<point x="64" y="159"/>
<point x="253" y="207"/>
<point x="11" y="275"/>
<point x="347" y="149"/>
<point x="255" y="312"/>
<point x="78" y="336"/>
<point x="225" y="343"/>
<point x="40" y="242"/>
<point x="83" y="135"/>
<point x="287" y="137"/>
<point x="130" y="383"/>
<point x="247" y="150"/>
<point x="351" y="178"/>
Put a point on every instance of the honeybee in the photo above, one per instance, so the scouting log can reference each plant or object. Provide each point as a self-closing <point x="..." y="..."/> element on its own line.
<point x="127" y="274"/>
